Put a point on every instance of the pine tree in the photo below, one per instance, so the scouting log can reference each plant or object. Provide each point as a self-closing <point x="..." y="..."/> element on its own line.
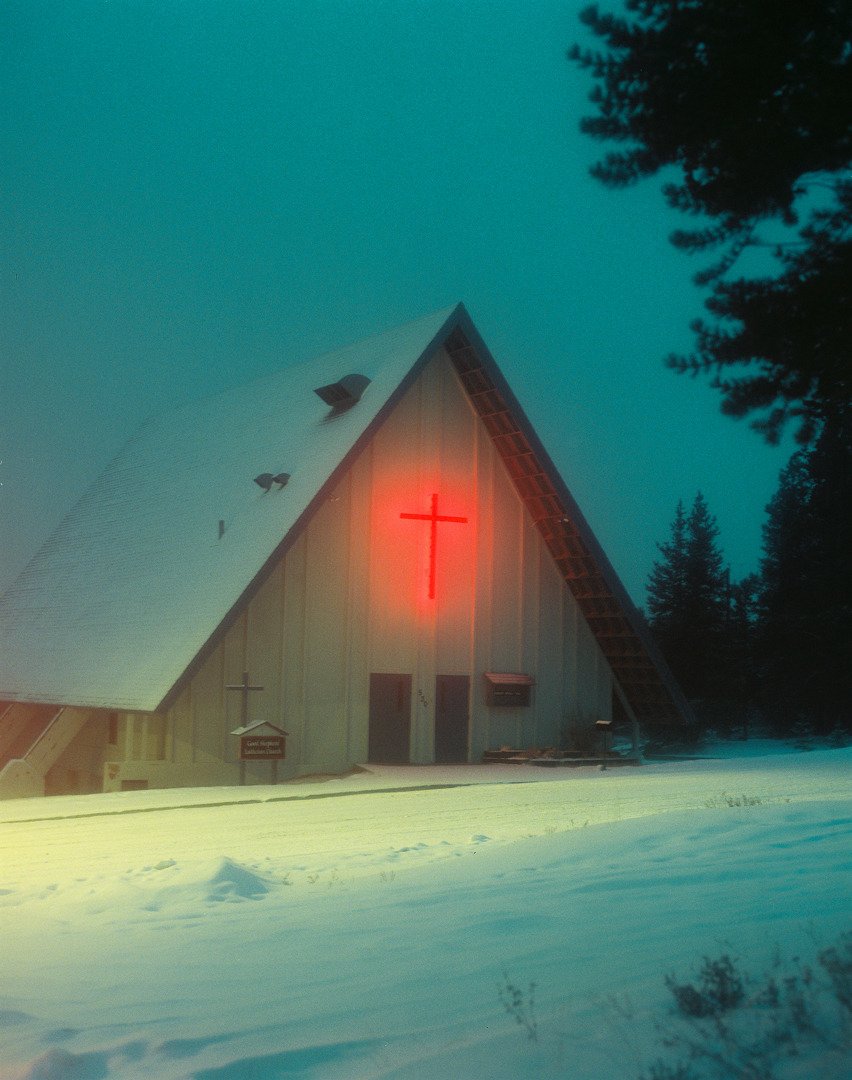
<point x="747" y="105"/>
<point x="687" y="603"/>
<point x="667" y="580"/>
<point x="740" y="658"/>
<point x="805" y="596"/>
<point x="784" y="595"/>
<point x="706" y="603"/>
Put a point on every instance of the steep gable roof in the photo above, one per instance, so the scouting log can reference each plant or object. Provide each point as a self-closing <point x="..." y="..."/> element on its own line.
<point x="137" y="579"/>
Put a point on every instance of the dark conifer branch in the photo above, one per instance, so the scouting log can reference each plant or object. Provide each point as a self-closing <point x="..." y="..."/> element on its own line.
<point x="754" y="110"/>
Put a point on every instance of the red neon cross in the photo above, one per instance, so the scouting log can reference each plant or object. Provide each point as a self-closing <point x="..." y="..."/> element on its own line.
<point x="434" y="517"/>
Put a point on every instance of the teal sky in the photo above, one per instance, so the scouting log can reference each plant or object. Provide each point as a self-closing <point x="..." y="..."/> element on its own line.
<point x="197" y="192"/>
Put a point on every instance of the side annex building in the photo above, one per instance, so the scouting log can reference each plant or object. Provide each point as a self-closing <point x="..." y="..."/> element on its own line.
<point x="371" y="551"/>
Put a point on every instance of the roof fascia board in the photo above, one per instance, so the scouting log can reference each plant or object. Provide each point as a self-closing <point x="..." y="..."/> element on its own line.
<point x="608" y="572"/>
<point x="544" y="458"/>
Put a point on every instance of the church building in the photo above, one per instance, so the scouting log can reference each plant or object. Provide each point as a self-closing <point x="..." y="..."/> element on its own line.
<point x="369" y="557"/>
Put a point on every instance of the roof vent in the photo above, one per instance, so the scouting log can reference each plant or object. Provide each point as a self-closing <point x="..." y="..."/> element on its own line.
<point x="344" y="394"/>
<point x="266" y="479"/>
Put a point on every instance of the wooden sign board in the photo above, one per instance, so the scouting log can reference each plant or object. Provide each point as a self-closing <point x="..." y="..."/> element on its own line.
<point x="262" y="748"/>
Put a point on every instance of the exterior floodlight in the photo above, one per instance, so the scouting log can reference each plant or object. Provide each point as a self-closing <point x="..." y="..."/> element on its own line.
<point x="344" y="394"/>
<point x="264" y="480"/>
<point x="281" y="478"/>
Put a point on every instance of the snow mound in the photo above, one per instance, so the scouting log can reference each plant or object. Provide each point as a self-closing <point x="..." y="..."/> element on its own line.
<point x="234" y="882"/>
<point x="187" y="891"/>
<point x="61" y="1064"/>
<point x="331" y="1059"/>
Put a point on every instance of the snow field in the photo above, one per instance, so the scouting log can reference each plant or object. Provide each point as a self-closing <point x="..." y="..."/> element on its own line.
<point x="367" y="935"/>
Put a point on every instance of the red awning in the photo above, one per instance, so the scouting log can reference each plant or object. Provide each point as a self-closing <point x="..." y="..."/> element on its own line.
<point x="506" y="678"/>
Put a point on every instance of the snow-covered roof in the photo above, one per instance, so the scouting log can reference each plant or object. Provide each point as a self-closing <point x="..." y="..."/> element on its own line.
<point x="139" y="577"/>
<point x="136" y="579"/>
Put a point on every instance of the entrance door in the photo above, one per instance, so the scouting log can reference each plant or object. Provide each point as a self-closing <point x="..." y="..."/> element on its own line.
<point x="452" y="715"/>
<point x="390" y="719"/>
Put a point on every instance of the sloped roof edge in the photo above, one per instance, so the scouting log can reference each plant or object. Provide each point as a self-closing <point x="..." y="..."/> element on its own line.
<point x="679" y="706"/>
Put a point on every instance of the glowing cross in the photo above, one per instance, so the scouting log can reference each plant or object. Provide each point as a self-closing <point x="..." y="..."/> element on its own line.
<point x="434" y="517"/>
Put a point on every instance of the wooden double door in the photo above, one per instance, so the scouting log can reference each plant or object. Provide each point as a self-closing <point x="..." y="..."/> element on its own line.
<point x="390" y="718"/>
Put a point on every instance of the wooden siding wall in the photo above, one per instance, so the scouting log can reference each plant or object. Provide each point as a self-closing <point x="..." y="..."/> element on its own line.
<point x="350" y="597"/>
<point x="80" y="768"/>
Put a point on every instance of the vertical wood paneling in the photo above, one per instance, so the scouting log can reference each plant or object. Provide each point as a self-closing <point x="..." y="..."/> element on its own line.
<point x="506" y="633"/>
<point x="326" y="563"/>
<point x="569" y="671"/>
<point x="457" y="428"/>
<point x="396" y="554"/>
<point x="481" y="735"/>
<point x="234" y="662"/>
<point x="208" y="708"/>
<point x="180" y="721"/>
<point x="264" y="635"/>
<point x="358" y="607"/>
<point x="426" y="469"/>
<point x="156" y="738"/>
<point x="293" y="673"/>
<point x="529" y="618"/>
<point x="587" y="676"/>
<point x="507" y="576"/>
<point x="553" y="653"/>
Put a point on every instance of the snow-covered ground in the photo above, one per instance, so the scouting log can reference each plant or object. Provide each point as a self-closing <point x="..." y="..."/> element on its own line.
<point x="363" y="927"/>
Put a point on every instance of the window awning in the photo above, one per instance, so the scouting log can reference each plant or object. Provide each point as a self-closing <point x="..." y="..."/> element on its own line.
<point x="506" y="678"/>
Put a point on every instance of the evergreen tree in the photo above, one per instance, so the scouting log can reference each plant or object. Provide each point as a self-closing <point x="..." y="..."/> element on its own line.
<point x="687" y="602"/>
<point x="740" y="652"/>
<point x="805" y="600"/>
<point x="667" y="581"/>
<point x="707" y="584"/>
<point x="750" y="103"/>
<point x="784" y="595"/>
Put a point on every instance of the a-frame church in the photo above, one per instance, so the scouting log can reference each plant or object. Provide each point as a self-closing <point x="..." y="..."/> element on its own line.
<point x="371" y="552"/>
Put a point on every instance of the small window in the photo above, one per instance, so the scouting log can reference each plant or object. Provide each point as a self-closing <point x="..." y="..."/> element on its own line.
<point x="507" y="689"/>
<point x="112" y="729"/>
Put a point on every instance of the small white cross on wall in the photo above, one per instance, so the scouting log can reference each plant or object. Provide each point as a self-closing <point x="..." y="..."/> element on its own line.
<point x="245" y="687"/>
